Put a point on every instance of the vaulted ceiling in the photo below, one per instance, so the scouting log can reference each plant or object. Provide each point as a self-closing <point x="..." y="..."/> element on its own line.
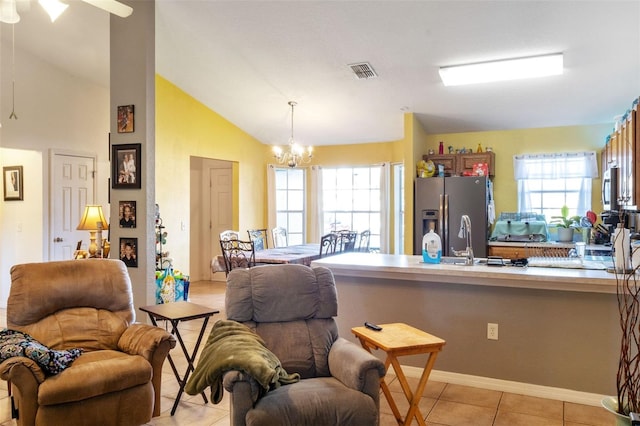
<point x="247" y="59"/>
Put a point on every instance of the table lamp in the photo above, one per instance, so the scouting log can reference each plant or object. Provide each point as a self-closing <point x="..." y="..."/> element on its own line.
<point x="92" y="221"/>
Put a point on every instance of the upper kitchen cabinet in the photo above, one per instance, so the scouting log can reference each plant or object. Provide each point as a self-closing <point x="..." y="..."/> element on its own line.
<point x="622" y="150"/>
<point x="458" y="164"/>
<point x="449" y="161"/>
<point x="466" y="162"/>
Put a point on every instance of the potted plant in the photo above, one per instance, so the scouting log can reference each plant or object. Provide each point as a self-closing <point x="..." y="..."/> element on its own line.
<point x="565" y="224"/>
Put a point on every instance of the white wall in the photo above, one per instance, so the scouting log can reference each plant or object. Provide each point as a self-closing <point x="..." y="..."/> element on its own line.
<point x="20" y="221"/>
<point x="55" y="110"/>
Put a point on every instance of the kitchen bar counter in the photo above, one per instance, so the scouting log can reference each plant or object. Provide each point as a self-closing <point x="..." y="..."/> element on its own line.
<point x="558" y="328"/>
<point x="411" y="268"/>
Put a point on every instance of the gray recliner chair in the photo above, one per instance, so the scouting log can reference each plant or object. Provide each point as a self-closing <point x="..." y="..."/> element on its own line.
<point x="291" y="307"/>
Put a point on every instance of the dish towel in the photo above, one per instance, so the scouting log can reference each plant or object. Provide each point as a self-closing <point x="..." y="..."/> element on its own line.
<point x="491" y="207"/>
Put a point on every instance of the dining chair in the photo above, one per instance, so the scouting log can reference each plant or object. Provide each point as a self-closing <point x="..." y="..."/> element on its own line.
<point x="346" y="241"/>
<point x="259" y="238"/>
<point x="328" y="244"/>
<point x="229" y="235"/>
<point x="237" y="254"/>
<point x="363" y="241"/>
<point x="279" y="235"/>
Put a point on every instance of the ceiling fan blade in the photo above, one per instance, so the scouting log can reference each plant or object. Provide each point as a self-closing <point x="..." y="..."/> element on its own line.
<point x="112" y="6"/>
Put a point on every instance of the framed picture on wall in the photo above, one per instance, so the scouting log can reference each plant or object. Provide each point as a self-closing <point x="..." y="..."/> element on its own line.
<point x="125" y="119"/>
<point x="129" y="251"/>
<point x="13" y="186"/>
<point x="125" y="166"/>
<point x="127" y="214"/>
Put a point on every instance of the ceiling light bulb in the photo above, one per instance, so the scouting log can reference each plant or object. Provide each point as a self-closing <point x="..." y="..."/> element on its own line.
<point x="8" y="12"/>
<point x="502" y="70"/>
<point x="53" y="7"/>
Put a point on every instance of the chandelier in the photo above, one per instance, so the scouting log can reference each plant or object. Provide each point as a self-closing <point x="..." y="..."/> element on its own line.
<point x="297" y="154"/>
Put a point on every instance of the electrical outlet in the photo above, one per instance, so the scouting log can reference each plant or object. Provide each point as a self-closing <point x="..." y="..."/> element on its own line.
<point x="492" y="331"/>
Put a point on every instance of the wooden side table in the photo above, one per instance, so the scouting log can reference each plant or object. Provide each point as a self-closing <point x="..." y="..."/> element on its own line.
<point x="399" y="339"/>
<point x="175" y="313"/>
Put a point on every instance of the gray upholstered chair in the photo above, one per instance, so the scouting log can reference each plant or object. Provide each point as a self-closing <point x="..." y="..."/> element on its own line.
<point x="292" y="308"/>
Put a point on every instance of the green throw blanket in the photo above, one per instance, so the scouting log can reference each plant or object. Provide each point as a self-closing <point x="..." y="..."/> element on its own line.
<point x="233" y="346"/>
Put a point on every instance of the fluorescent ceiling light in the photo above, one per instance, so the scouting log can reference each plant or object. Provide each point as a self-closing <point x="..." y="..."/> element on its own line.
<point x="506" y="69"/>
<point x="53" y="7"/>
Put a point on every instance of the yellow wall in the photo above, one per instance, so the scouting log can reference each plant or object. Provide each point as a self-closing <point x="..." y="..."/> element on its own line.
<point x="185" y="128"/>
<point x="507" y="143"/>
<point x="353" y="155"/>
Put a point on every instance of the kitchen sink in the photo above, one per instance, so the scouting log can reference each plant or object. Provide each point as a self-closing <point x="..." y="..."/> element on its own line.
<point x="453" y="260"/>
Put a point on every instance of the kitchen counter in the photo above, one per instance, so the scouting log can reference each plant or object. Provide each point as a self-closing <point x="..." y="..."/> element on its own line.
<point x="558" y="328"/>
<point x="412" y="268"/>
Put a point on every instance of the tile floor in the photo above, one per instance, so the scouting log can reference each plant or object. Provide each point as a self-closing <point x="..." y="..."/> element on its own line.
<point x="442" y="403"/>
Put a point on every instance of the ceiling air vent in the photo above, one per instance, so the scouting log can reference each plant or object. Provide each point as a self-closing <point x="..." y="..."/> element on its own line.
<point x="363" y="70"/>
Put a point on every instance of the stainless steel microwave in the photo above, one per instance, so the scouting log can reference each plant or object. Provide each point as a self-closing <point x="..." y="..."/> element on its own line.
<point x="610" y="194"/>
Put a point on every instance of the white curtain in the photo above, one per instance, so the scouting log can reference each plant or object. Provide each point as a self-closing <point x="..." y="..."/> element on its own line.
<point x="315" y="207"/>
<point x="574" y="165"/>
<point x="385" y="184"/>
<point x="556" y="166"/>
<point x="271" y="196"/>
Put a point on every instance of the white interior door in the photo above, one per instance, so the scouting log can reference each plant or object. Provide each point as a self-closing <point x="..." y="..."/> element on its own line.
<point x="73" y="187"/>
<point x="220" y="207"/>
<point x="210" y="213"/>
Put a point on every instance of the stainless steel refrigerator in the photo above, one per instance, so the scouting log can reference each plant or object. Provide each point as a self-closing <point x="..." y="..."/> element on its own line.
<point x="440" y="202"/>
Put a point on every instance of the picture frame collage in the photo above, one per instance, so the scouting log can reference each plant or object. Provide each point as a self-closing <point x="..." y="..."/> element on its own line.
<point x="126" y="173"/>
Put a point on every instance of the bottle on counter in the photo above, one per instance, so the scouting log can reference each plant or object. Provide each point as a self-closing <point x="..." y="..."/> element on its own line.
<point x="431" y="247"/>
<point x="441" y="148"/>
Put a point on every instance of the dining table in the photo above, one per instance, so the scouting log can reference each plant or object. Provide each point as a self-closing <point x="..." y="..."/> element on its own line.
<point x="302" y="254"/>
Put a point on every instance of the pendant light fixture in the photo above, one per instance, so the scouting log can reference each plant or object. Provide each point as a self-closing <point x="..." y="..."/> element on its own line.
<point x="54" y="8"/>
<point x="13" y="74"/>
<point x="297" y="154"/>
<point x="8" y="12"/>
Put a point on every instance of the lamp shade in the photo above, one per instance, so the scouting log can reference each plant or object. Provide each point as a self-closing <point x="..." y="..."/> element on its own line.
<point x="92" y="215"/>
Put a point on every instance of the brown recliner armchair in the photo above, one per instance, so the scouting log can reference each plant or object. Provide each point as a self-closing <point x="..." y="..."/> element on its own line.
<point x="291" y="307"/>
<point x="85" y="304"/>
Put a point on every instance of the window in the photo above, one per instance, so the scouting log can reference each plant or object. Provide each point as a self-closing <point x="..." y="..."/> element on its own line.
<point x="546" y="182"/>
<point x="351" y="199"/>
<point x="290" y="201"/>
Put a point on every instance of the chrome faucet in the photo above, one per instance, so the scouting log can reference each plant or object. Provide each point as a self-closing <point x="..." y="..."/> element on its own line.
<point x="465" y="232"/>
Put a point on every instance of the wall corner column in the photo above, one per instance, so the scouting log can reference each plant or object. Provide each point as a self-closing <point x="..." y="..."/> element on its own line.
<point x="132" y="66"/>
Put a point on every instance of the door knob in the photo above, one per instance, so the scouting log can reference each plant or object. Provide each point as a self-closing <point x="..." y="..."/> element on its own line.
<point x="58" y="240"/>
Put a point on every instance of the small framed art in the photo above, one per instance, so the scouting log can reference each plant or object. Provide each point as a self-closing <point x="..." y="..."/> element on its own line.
<point x="125" y="166"/>
<point x="127" y="214"/>
<point x="129" y="251"/>
<point x="13" y="185"/>
<point x="125" y="119"/>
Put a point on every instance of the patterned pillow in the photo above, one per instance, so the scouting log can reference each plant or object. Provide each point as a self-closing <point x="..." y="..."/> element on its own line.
<point x="15" y="343"/>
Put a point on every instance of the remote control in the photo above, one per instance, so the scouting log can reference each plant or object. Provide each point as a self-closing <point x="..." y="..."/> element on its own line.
<point x="372" y="326"/>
